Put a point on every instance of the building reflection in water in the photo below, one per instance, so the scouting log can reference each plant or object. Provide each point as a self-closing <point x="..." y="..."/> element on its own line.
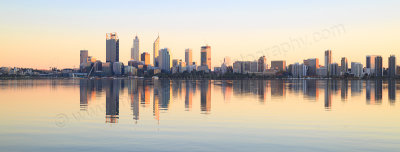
<point x="145" y="94"/>
<point x="156" y="110"/>
<point x="227" y="89"/>
<point x="112" y="100"/>
<point x="188" y="95"/>
<point x="83" y="92"/>
<point x="205" y="99"/>
<point x="139" y="92"/>
<point x="356" y="87"/>
<point x="165" y="94"/>
<point x="392" y="91"/>
<point x="311" y="89"/>
<point x="344" y="89"/>
<point x="378" y="91"/>
<point x="373" y="92"/>
<point x="133" y="90"/>
<point x="328" y="94"/>
<point x="262" y="88"/>
<point x="87" y="91"/>
<point x="278" y="88"/>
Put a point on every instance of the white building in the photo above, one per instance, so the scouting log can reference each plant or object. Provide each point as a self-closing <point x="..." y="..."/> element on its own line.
<point x="299" y="70"/>
<point x="164" y="60"/>
<point x="135" y="49"/>
<point x="356" y="69"/>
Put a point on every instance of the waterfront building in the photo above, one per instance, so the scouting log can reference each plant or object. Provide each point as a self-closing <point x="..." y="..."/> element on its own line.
<point x="313" y="65"/>
<point x="278" y="65"/>
<point x="205" y="56"/>
<point x="145" y="57"/>
<point x="156" y="47"/>
<point x="370" y="65"/>
<point x="328" y="60"/>
<point x="262" y="64"/>
<point x="188" y="56"/>
<point x="164" y="60"/>
<point x="356" y="69"/>
<point x="392" y="66"/>
<point x="344" y="66"/>
<point x="112" y="47"/>
<point x="322" y="72"/>
<point x="378" y="66"/>
<point x="135" y="49"/>
<point x="83" y="56"/>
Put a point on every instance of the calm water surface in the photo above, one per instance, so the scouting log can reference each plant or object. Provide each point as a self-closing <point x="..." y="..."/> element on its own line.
<point x="204" y="115"/>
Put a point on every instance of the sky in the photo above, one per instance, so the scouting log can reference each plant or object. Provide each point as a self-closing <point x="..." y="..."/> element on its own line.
<point x="47" y="33"/>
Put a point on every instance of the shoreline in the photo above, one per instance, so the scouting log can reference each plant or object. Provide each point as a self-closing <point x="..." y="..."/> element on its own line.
<point x="180" y="78"/>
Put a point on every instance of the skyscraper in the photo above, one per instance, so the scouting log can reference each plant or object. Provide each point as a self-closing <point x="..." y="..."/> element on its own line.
<point x="313" y="65"/>
<point x="344" y="66"/>
<point x="356" y="69"/>
<point x="370" y="64"/>
<point x="378" y="66"/>
<point x="188" y="56"/>
<point x="145" y="57"/>
<point x="262" y="64"/>
<point x="112" y="47"/>
<point x="392" y="66"/>
<point x="278" y="65"/>
<point x="205" y="58"/>
<point x="164" y="60"/>
<point x="135" y="49"/>
<point x="84" y="55"/>
<point x="156" y="48"/>
<point x="328" y="60"/>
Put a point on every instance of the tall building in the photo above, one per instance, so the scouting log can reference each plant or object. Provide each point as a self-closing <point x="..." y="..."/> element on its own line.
<point x="156" y="49"/>
<point x="378" y="66"/>
<point x="313" y="65"/>
<point x="334" y="70"/>
<point x="262" y="64"/>
<point x="112" y="47"/>
<point x="84" y="55"/>
<point x="205" y="58"/>
<point x="392" y="66"/>
<point x="145" y="57"/>
<point x="328" y="60"/>
<point x="299" y="70"/>
<point x="135" y="49"/>
<point x="344" y="66"/>
<point x="356" y="69"/>
<point x="278" y="65"/>
<point x="164" y="60"/>
<point x="188" y="56"/>
<point x="370" y="64"/>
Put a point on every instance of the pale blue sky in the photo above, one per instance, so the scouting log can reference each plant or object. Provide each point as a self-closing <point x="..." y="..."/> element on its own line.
<point x="53" y="32"/>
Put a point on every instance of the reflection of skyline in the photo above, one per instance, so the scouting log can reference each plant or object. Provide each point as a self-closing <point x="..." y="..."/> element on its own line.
<point x="392" y="91"/>
<point x="140" y="92"/>
<point x="344" y="89"/>
<point x="205" y="99"/>
<point x="328" y="94"/>
<point x="373" y="92"/>
<point x="188" y="95"/>
<point x="112" y="100"/>
<point x="278" y="88"/>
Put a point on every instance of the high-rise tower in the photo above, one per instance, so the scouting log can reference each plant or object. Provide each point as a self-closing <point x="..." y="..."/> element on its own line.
<point x="328" y="60"/>
<point x="205" y="59"/>
<point x="135" y="49"/>
<point x="156" y="48"/>
<point x="112" y="47"/>
<point x="188" y="56"/>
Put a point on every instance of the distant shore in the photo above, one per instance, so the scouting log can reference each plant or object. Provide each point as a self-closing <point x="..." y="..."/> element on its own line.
<point x="196" y="78"/>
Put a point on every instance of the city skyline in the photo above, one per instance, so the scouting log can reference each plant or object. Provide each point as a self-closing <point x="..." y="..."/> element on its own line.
<point x="249" y="34"/>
